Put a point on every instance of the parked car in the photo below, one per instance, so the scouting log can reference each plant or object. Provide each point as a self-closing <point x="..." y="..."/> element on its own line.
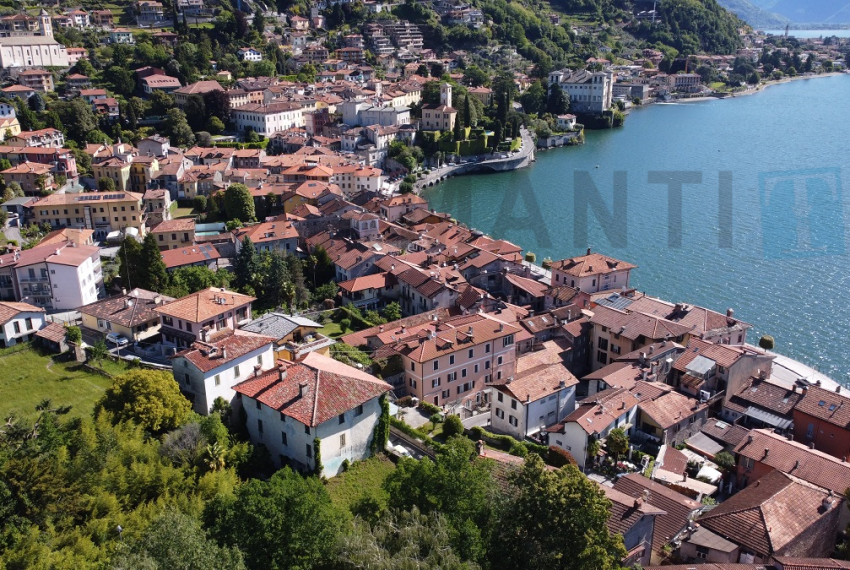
<point x="117" y="339"/>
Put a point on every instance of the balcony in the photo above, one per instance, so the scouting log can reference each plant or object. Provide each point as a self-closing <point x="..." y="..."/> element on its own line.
<point x="43" y="279"/>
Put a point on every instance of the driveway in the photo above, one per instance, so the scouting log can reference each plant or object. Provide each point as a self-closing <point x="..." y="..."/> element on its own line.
<point x="480" y="420"/>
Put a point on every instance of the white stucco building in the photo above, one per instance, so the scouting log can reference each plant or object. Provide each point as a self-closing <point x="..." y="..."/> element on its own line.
<point x="290" y="407"/>
<point x="267" y="119"/>
<point x="594" y="419"/>
<point x="59" y="277"/>
<point x="19" y="322"/>
<point x="591" y="273"/>
<point x="32" y="51"/>
<point x="590" y="92"/>
<point x="210" y="368"/>
<point x="543" y="393"/>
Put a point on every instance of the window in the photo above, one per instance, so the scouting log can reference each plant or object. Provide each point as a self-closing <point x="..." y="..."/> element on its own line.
<point x="508" y="340"/>
<point x="463" y="373"/>
<point x="436" y="381"/>
<point x="451" y="377"/>
<point x="513" y="421"/>
<point x="499" y="361"/>
<point x="702" y="552"/>
<point x="28" y="322"/>
<point x="258" y="405"/>
<point x="342" y="418"/>
<point x="603" y="343"/>
<point x="810" y="431"/>
<point x="436" y="365"/>
<point x="513" y="404"/>
<point x="471" y="353"/>
<point x="236" y="371"/>
<point x="17" y="326"/>
<point x="487" y="348"/>
<point x="413" y="367"/>
<point x="282" y="417"/>
<point x="487" y="365"/>
<point x="260" y="359"/>
<point x="260" y="426"/>
<point x="307" y="429"/>
<point x="601" y="357"/>
<point x="341" y="440"/>
<point x="499" y="375"/>
<point x="218" y="379"/>
<point x="615" y="349"/>
<point x="451" y="359"/>
<point x="499" y="397"/>
<point x="358" y="411"/>
<point x="500" y="413"/>
<point x="309" y="451"/>
<point x="748" y="464"/>
<point x="475" y="369"/>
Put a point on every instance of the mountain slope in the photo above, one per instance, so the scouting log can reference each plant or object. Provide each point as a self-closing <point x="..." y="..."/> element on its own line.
<point x="753" y="15"/>
<point x="809" y="11"/>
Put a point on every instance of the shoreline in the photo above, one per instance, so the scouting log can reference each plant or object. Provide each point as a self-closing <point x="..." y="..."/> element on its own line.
<point x="760" y="88"/>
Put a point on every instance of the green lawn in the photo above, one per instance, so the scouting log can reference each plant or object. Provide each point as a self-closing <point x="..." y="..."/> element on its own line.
<point x="28" y="377"/>
<point x="177" y="212"/>
<point x="331" y="329"/>
<point x="363" y="479"/>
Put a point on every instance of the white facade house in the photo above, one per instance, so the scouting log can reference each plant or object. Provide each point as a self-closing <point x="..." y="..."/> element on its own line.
<point x="267" y="119"/>
<point x="594" y="419"/>
<point x="542" y="394"/>
<point x="210" y="369"/>
<point x="590" y="91"/>
<point x="591" y="273"/>
<point x="32" y="51"/>
<point x="19" y="322"/>
<point x="290" y="407"/>
<point x="250" y="54"/>
<point x="59" y="277"/>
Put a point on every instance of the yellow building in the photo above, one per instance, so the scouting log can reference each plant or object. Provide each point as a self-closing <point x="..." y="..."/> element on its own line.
<point x="116" y="169"/>
<point x="102" y="212"/>
<point x="142" y="170"/>
<point x="172" y="234"/>
<point x="131" y="315"/>
<point x="439" y="117"/>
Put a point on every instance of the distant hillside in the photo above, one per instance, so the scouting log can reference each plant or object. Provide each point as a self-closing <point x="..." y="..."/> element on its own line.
<point x="808" y="11"/>
<point x="753" y="15"/>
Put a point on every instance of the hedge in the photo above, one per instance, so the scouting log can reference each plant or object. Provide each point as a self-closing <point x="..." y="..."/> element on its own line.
<point x="508" y="443"/>
<point x="241" y="145"/>
<point x="415" y="433"/>
<point x="430" y="408"/>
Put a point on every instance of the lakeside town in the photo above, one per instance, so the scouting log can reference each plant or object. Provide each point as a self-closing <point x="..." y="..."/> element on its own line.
<point x="234" y="335"/>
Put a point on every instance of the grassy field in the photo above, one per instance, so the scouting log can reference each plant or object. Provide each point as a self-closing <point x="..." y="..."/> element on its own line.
<point x="363" y="479"/>
<point x="28" y="377"/>
<point x="177" y="212"/>
<point x="331" y="329"/>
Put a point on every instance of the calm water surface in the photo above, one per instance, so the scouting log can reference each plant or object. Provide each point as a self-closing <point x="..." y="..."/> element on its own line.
<point x="786" y="270"/>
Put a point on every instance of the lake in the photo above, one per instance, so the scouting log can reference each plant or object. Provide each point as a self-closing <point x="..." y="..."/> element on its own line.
<point x="763" y="232"/>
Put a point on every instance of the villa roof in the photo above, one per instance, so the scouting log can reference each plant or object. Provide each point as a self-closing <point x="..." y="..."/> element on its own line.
<point x="204" y="305"/>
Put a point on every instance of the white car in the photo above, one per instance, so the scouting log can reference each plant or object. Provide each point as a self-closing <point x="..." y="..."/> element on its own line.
<point x="117" y="339"/>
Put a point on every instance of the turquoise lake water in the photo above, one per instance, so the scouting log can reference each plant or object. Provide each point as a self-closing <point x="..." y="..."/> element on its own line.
<point x="773" y="246"/>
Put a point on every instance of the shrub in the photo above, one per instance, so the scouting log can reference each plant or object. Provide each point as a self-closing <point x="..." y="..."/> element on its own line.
<point x="436" y="418"/>
<point x="452" y="426"/>
<point x="200" y="203"/>
<point x="345" y="324"/>
<point x="477" y="433"/>
<point x="518" y="449"/>
<point x="405" y="402"/>
<point x="75" y="335"/>
<point x="346" y="465"/>
<point x="429" y="407"/>
<point x="557" y="457"/>
<point x="767" y="342"/>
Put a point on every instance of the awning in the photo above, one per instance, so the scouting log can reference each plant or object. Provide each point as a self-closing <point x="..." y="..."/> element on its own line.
<point x="768" y="418"/>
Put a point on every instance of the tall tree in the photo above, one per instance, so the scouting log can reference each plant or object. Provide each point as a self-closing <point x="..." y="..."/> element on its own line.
<point x="196" y="112"/>
<point x="554" y="520"/>
<point x="155" y="274"/>
<point x="121" y="80"/>
<point x="217" y="104"/>
<point x="130" y="267"/>
<point x="150" y="398"/>
<point x="558" y="101"/>
<point x="246" y="264"/>
<point x="467" y="111"/>
<point x="260" y="513"/>
<point x="454" y="485"/>
<point x="239" y="204"/>
<point x="36" y="102"/>
<point x="178" y="128"/>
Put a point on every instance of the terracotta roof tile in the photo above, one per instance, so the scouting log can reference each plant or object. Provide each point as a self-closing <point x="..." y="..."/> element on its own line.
<point x="771" y="513"/>
<point x="130" y="310"/>
<point x="826" y="405"/>
<point x="330" y="388"/>
<point x="9" y="310"/>
<point x="204" y="305"/>
<point x="592" y="264"/>
<point x="223" y="349"/>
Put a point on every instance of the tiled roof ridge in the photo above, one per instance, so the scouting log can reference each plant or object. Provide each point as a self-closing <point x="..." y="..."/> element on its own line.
<point x="316" y="396"/>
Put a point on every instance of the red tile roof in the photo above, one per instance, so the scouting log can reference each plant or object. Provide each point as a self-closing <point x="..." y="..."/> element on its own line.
<point x="190" y="255"/>
<point x="773" y="512"/>
<point x="591" y="264"/>
<point x="376" y="281"/>
<point x="204" y="305"/>
<point x="130" y="310"/>
<point x="634" y="325"/>
<point x="9" y="310"/>
<point x="53" y="332"/>
<point x="598" y="412"/>
<point x="796" y="459"/>
<point x="678" y="507"/>
<point x="832" y="407"/>
<point x="223" y="349"/>
<point x="315" y="390"/>
<point x="539" y="374"/>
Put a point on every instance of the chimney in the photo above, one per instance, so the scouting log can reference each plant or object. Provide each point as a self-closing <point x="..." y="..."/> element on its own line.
<point x="749" y="439"/>
<point x="766" y="451"/>
<point x="729" y="313"/>
<point x="838" y="389"/>
<point x="588" y="251"/>
<point x="302" y="390"/>
<point x="224" y="353"/>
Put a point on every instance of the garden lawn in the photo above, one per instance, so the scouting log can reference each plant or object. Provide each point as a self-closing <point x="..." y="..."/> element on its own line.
<point x="331" y="330"/>
<point x="178" y="212"/>
<point x="363" y="479"/>
<point x="28" y="377"/>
